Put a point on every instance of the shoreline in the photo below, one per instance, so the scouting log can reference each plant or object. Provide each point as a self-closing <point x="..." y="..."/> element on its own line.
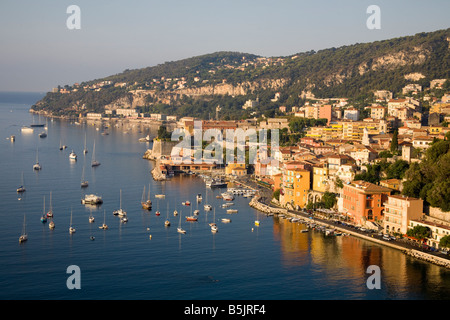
<point x="306" y="219"/>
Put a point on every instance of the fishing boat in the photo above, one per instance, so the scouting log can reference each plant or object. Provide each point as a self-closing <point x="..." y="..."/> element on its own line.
<point x="71" y="229"/>
<point x="73" y="156"/>
<point x="104" y="225"/>
<point x="146" y="204"/>
<point x="120" y="212"/>
<point x="94" y="162"/>
<point x="22" y="187"/>
<point x="180" y="229"/>
<point x="24" y="236"/>
<point x="92" y="199"/>
<point x="37" y="166"/>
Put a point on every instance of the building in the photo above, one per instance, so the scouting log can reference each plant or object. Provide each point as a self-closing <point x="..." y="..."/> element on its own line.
<point x="377" y="112"/>
<point x="351" y="114"/>
<point x="235" y="168"/>
<point x="363" y="201"/>
<point x="296" y="183"/>
<point x="394" y="184"/>
<point x="321" y="179"/>
<point x="437" y="231"/>
<point x="399" y="210"/>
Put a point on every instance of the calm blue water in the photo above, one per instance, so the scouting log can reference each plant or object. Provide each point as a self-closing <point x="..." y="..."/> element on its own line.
<point x="273" y="262"/>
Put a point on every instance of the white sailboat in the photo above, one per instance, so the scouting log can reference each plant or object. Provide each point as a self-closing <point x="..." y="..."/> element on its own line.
<point x="22" y="186"/>
<point x="71" y="229"/>
<point x="207" y="206"/>
<point x="85" y="150"/>
<point x="94" y="163"/>
<point x="37" y="166"/>
<point x="91" y="218"/>
<point x="73" y="156"/>
<point x="50" y="211"/>
<point x="104" y="226"/>
<point x="84" y="183"/>
<point x="213" y="224"/>
<point x="167" y="222"/>
<point x="120" y="212"/>
<point x="180" y="229"/>
<point x="24" y="236"/>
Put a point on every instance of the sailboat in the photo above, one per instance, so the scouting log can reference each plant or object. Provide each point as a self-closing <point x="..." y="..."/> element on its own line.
<point x="44" y="217"/>
<point x="120" y="211"/>
<point x="21" y="188"/>
<point x="213" y="224"/>
<point x="84" y="183"/>
<point x="180" y="229"/>
<point x="167" y="222"/>
<point x="51" y="225"/>
<point x="104" y="226"/>
<point x="94" y="163"/>
<point x="207" y="206"/>
<point x="85" y="150"/>
<point x="50" y="211"/>
<point x="91" y="218"/>
<point x="24" y="236"/>
<point x="191" y="217"/>
<point x="146" y="204"/>
<point x="157" y="208"/>
<point x="37" y="166"/>
<point x="73" y="156"/>
<point x="71" y="229"/>
<point x="257" y="219"/>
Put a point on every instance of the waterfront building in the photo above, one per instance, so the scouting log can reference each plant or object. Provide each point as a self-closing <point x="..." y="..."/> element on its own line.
<point x="363" y="201"/>
<point x="296" y="184"/>
<point x="437" y="231"/>
<point x="399" y="210"/>
<point x="236" y="169"/>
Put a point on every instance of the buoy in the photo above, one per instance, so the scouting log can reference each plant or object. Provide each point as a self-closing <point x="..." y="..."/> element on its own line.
<point x="252" y="229"/>
<point x="150" y="236"/>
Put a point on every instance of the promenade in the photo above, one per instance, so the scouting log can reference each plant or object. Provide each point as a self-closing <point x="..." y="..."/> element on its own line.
<point x="261" y="202"/>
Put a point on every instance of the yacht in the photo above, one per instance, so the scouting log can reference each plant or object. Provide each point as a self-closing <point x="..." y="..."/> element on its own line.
<point x="227" y="196"/>
<point x="207" y="207"/>
<point x="23" y="237"/>
<point x="73" y="156"/>
<point x="26" y="129"/>
<point x="91" y="199"/>
<point x="37" y="166"/>
<point x="120" y="212"/>
<point x="51" y="225"/>
<point x="199" y="197"/>
<point x="104" y="226"/>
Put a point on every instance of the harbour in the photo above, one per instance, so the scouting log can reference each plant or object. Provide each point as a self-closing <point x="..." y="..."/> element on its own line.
<point x="143" y="258"/>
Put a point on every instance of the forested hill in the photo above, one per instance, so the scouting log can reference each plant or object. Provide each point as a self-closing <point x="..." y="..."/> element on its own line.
<point x="205" y="81"/>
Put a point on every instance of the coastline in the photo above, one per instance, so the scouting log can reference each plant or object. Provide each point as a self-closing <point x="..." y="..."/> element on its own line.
<point x="306" y="219"/>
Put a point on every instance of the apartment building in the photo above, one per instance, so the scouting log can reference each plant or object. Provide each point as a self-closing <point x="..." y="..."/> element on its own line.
<point x="399" y="210"/>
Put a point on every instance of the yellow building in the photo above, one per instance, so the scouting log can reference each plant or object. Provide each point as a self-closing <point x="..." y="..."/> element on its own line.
<point x="234" y="168"/>
<point x="320" y="178"/>
<point x="296" y="183"/>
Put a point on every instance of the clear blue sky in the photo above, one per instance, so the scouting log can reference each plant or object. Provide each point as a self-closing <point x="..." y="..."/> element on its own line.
<point x="39" y="52"/>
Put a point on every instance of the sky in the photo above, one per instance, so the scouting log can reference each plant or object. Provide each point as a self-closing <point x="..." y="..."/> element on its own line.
<point x="38" y="51"/>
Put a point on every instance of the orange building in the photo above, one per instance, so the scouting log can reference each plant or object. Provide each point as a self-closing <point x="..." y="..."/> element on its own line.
<point x="364" y="201"/>
<point x="296" y="184"/>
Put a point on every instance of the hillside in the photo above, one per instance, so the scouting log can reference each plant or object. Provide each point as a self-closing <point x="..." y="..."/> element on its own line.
<point x="195" y="86"/>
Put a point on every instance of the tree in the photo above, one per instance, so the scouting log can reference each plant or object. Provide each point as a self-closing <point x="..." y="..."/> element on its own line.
<point x="328" y="200"/>
<point x="394" y="142"/>
<point x="445" y="242"/>
<point x="276" y="194"/>
<point x="418" y="232"/>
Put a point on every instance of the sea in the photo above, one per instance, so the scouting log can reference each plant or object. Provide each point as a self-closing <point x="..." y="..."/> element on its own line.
<point x="143" y="259"/>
